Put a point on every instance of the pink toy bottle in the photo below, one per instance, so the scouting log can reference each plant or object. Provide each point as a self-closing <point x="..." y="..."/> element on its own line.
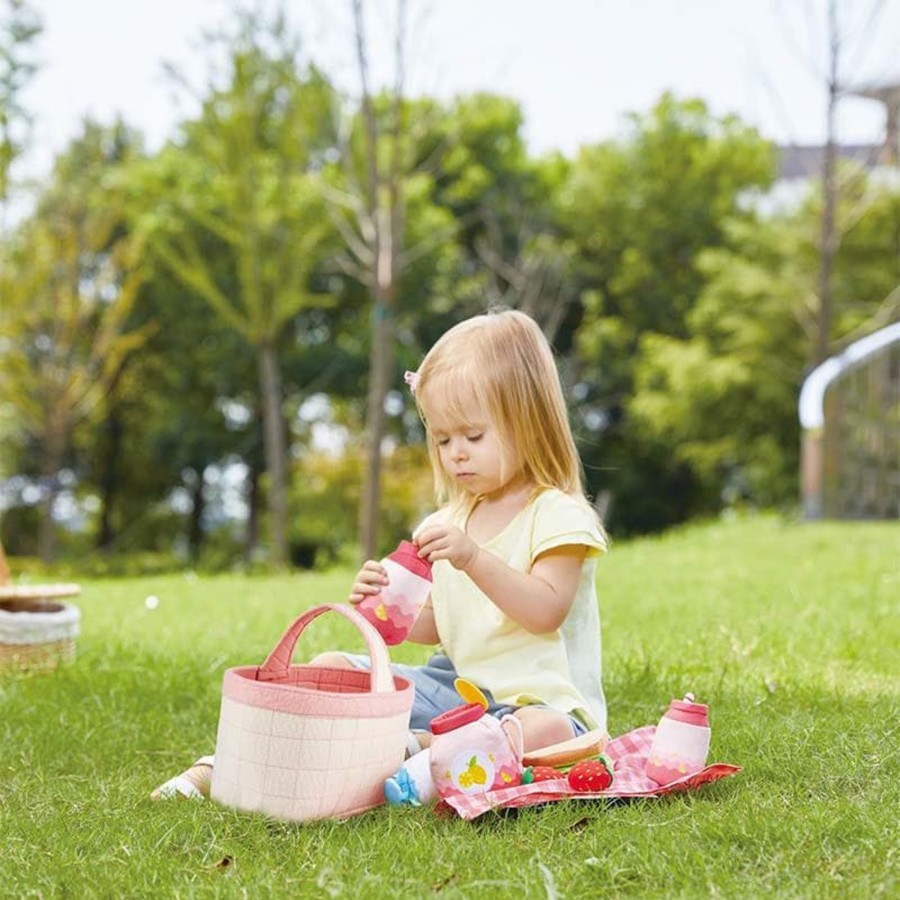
<point x="395" y="607"/>
<point x="681" y="742"/>
<point x="472" y="752"/>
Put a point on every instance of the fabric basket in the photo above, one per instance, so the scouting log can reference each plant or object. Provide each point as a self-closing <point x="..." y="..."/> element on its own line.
<point x="303" y="742"/>
<point x="35" y="632"/>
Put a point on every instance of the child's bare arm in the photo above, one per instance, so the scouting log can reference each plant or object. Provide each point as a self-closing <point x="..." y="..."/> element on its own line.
<point x="424" y="630"/>
<point x="539" y="600"/>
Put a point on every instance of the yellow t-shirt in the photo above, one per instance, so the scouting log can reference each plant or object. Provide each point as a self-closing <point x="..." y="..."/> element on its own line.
<point x="561" y="669"/>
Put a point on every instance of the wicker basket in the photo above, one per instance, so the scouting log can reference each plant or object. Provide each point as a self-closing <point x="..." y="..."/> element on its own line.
<point x="36" y="632"/>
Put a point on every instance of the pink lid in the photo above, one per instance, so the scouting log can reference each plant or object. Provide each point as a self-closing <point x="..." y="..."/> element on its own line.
<point x="456" y="718"/>
<point x="687" y="711"/>
<point x="407" y="555"/>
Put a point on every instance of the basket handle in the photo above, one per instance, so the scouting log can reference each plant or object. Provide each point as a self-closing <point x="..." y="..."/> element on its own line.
<point x="277" y="663"/>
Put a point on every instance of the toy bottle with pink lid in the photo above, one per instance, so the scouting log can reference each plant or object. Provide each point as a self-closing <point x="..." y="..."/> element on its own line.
<point x="395" y="608"/>
<point x="681" y="742"/>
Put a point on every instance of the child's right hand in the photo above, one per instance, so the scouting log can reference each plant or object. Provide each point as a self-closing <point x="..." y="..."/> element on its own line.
<point x="370" y="579"/>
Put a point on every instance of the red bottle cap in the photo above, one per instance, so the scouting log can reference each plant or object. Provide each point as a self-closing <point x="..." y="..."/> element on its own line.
<point x="456" y="718"/>
<point x="689" y="712"/>
<point x="407" y="555"/>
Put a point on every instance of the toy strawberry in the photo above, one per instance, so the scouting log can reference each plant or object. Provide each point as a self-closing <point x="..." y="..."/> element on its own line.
<point x="591" y="775"/>
<point x="540" y="773"/>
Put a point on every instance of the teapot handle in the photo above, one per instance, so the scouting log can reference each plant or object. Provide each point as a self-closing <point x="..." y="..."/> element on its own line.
<point x="512" y="727"/>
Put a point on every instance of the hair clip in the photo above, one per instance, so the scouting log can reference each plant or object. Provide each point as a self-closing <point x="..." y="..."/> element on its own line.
<point x="412" y="379"/>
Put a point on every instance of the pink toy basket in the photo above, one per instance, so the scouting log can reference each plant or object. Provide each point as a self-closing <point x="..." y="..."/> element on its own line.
<point x="306" y="742"/>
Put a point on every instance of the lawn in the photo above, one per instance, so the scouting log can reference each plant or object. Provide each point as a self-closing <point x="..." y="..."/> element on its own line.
<point x="789" y="631"/>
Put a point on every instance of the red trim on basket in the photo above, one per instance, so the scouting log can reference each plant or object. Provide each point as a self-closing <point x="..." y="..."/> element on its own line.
<point x="318" y="691"/>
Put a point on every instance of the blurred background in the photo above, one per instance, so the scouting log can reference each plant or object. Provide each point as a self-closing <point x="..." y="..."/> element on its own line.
<point x="227" y="229"/>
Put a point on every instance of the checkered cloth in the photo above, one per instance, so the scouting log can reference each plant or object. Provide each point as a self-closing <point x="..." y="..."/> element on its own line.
<point x="628" y="754"/>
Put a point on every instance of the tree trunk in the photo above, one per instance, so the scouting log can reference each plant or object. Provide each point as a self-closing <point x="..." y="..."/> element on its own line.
<point x="829" y="240"/>
<point x="109" y="480"/>
<point x="251" y="533"/>
<point x="5" y="576"/>
<point x="275" y="450"/>
<point x="195" y="522"/>
<point x="379" y="380"/>
<point x="53" y="452"/>
<point x="385" y="213"/>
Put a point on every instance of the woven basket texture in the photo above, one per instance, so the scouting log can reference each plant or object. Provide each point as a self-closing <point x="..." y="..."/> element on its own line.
<point x="37" y="633"/>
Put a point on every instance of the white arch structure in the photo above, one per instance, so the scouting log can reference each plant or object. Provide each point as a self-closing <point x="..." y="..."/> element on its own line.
<point x="811" y="409"/>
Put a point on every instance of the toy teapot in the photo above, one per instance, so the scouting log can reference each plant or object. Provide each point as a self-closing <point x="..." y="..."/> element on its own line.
<point x="473" y="752"/>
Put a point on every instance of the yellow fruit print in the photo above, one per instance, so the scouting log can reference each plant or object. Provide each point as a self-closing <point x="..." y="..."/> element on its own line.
<point x="475" y="774"/>
<point x="381" y="612"/>
<point x="472" y="772"/>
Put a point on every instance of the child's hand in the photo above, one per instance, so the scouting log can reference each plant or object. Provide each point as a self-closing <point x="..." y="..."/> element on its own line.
<point x="370" y="579"/>
<point x="446" y="542"/>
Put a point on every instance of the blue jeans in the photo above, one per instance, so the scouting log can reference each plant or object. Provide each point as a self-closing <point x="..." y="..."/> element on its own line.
<point x="435" y="693"/>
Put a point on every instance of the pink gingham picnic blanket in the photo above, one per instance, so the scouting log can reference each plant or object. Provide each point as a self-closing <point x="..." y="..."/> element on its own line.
<point x="628" y="755"/>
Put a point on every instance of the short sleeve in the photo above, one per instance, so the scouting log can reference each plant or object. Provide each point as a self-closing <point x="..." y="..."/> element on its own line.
<point x="561" y="521"/>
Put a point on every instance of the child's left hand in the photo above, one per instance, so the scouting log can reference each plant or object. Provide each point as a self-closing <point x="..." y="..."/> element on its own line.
<point x="446" y="542"/>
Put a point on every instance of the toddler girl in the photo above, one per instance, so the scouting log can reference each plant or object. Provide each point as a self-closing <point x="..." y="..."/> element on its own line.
<point x="513" y="546"/>
<point x="513" y="602"/>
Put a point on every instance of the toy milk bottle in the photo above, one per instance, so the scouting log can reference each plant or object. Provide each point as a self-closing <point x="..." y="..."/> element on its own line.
<point x="473" y="753"/>
<point x="681" y="742"/>
<point x="397" y="605"/>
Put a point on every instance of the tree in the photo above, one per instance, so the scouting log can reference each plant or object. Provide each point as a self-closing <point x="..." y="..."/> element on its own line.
<point x="18" y="29"/>
<point x="245" y="174"/>
<point x="373" y="235"/>
<point x="168" y="419"/>
<point x="69" y="283"/>
<point x="513" y="251"/>
<point x="848" y="31"/>
<point x="724" y="398"/>
<point x="640" y="212"/>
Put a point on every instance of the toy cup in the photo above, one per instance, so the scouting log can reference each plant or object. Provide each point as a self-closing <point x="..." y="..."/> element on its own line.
<point x="394" y="609"/>
<point x="681" y="742"/>
<point x="473" y="753"/>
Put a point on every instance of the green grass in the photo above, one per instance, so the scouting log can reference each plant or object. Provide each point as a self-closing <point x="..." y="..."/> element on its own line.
<point x="789" y="631"/>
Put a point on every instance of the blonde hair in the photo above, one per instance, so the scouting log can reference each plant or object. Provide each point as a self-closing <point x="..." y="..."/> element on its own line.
<point x="502" y="362"/>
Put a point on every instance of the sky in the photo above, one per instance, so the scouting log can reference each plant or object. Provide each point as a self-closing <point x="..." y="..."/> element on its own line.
<point x="576" y="66"/>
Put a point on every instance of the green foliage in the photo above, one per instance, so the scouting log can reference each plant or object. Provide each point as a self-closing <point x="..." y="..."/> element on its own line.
<point x="642" y="212"/>
<point x="244" y="178"/>
<point x="69" y="280"/>
<point x="788" y="631"/>
<point x="325" y="500"/>
<point x="19" y="28"/>
<point x="241" y="254"/>
<point x="502" y="201"/>
<point x="867" y="267"/>
<point x="644" y="208"/>
<point x="725" y="398"/>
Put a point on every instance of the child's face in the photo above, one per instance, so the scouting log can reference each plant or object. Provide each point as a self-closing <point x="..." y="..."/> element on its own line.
<point x="472" y="453"/>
